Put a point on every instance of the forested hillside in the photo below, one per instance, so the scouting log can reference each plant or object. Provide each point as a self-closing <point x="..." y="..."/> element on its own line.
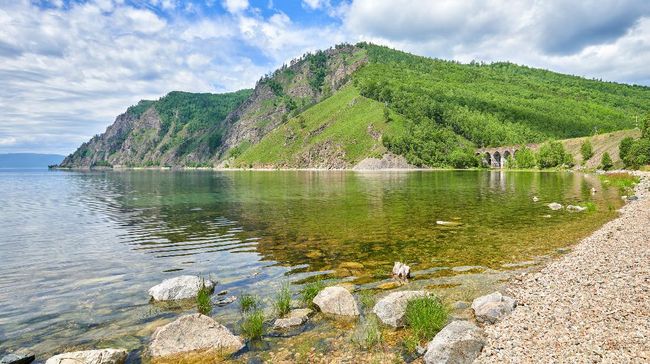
<point x="333" y="108"/>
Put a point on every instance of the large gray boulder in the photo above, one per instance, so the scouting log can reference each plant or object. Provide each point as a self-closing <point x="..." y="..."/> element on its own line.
<point x="179" y="288"/>
<point x="493" y="307"/>
<point x="102" y="356"/>
<point x="295" y="317"/>
<point x="391" y="309"/>
<point x="460" y="342"/>
<point x="191" y="333"/>
<point x="336" y="300"/>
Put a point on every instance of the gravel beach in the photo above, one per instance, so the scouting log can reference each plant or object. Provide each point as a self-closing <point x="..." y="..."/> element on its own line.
<point x="590" y="306"/>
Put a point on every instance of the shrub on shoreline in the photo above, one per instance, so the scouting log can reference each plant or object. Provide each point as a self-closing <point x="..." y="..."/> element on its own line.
<point x="283" y="300"/>
<point x="253" y="325"/>
<point x="203" y="301"/>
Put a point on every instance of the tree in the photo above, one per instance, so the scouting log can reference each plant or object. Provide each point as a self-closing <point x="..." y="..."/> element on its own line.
<point x="639" y="154"/>
<point x="606" y="162"/>
<point x="625" y="146"/>
<point x="552" y="154"/>
<point x="587" y="150"/>
<point x="525" y="158"/>
<point x="645" y="127"/>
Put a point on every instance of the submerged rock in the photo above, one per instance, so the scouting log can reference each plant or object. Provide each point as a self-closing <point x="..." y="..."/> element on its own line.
<point x="179" y="288"/>
<point x="191" y="333"/>
<point x="102" y="356"/>
<point x="554" y="206"/>
<point x="17" y="359"/>
<point x="574" y="208"/>
<point x="336" y="300"/>
<point x="493" y="307"/>
<point x="535" y="199"/>
<point x="401" y="270"/>
<point x="295" y="317"/>
<point x="459" y="342"/>
<point x="448" y="223"/>
<point x="391" y="309"/>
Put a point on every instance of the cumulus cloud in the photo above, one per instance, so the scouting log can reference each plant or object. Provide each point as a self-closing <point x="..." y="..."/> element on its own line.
<point x="68" y="68"/>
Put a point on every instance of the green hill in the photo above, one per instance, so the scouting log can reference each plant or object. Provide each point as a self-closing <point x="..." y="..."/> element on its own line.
<point x="333" y="108"/>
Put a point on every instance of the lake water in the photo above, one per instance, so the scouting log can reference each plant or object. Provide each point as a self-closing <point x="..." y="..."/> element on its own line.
<point x="80" y="250"/>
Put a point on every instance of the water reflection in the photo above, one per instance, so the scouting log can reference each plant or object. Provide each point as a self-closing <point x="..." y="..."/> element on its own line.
<point x="80" y="250"/>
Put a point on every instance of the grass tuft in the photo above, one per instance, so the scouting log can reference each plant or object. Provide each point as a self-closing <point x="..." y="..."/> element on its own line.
<point x="367" y="299"/>
<point x="425" y="316"/>
<point x="203" y="301"/>
<point x="248" y="303"/>
<point x="253" y="325"/>
<point x="309" y="291"/>
<point x="283" y="300"/>
<point x="625" y="182"/>
<point x="368" y="334"/>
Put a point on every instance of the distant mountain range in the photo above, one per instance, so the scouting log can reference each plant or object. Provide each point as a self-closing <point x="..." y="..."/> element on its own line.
<point x="29" y="160"/>
<point x="337" y="107"/>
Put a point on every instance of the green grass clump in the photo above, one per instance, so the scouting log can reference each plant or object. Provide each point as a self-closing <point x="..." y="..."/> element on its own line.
<point x="283" y="301"/>
<point x="203" y="301"/>
<point x="309" y="291"/>
<point x="425" y="316"/>
<point x="248" y="303"/>
<point x="253" y="325"/>
<point x="368" y="334"/>
<point x="625" y="182"/>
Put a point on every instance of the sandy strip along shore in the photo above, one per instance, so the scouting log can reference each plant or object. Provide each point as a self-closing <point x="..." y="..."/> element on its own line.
<point x="590" y="306"/>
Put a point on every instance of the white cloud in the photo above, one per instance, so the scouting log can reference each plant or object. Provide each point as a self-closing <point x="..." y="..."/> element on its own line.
<point x="235" y="6"/>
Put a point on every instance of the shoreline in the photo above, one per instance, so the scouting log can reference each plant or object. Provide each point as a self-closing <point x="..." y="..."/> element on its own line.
<point x="590" y="305"/>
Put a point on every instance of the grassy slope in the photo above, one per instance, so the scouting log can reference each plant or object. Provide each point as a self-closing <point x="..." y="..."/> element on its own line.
<point x="346" y="121"/>
<point x="601" y="143"/>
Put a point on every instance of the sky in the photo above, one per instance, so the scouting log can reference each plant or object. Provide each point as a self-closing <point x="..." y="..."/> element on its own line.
<point x="68" y="68"/>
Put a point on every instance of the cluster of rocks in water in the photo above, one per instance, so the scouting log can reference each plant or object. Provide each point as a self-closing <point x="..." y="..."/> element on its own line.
<point x="460" y="341"/>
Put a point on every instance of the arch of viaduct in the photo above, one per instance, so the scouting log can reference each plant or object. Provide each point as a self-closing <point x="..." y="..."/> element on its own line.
<point x="497" y="157"/>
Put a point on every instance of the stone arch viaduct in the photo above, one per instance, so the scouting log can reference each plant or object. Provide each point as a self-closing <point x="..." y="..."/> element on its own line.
<point x="497" y="157"/>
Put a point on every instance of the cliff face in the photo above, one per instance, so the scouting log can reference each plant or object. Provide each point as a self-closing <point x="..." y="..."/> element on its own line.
<point x="186" y="129"/>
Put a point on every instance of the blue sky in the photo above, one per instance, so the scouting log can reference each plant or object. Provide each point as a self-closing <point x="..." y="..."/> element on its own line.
<point x="67" y="68"/>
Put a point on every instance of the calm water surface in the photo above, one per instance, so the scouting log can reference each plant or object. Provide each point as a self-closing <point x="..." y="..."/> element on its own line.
<point x="80" y="250"/>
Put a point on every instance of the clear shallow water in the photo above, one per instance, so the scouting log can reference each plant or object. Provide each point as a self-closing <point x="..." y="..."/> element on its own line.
<point x="79" y="250"/>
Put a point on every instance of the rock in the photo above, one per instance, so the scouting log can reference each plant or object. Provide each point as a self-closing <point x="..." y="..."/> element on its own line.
<point x="222" y="293"/>
<point x="493" y="307"/>
<point x="460" y="305"/>
<point x="179" y="288"/>
<point x="401" y="270"/>
<point x="391" y="309"/>
<point x="632" y="198"/>
<point x="459" y="342"/>
<point x="535" y="199"/>
<point x="102" y="356"/>
<point x="448" y="223"/>
<point x="389" y="285"/>
<point x="336" y="300"/>
<point x="294" y="318"/>
<point x="574" y="208"/>
<point x="17" y="359"/>
<point x="351" y="265"/>
<point x="193" y="332"/>
<point x="554" y="206"/>
<point x="226" y="301"/>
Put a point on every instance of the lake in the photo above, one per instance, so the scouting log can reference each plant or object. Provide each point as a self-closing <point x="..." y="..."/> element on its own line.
<point x="80" y="249"/>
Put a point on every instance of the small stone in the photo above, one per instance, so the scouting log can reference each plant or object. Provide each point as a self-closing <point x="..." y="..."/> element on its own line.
<point x="226" y="301"/>
<point x="554" y="206"/>
<point x="535" y="199"/>
<point x="102" y="356"/>
<point x="493" y="307"/>
<point x="17" y="359"/>
<point x="401" y="270"/>
<point x="573" y="208"/>
<point x="336" y="300"/>
<point x="448" y="223"/>
<point x="460" y="342"/>
<point x="179" y="288"/>
<point x="294" y="318"/>
<point x="222" y="293"/>
<point x="460" y="305"/>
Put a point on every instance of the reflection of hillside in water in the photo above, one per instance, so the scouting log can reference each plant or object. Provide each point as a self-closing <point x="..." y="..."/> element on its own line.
<point x="325" y="219"/>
